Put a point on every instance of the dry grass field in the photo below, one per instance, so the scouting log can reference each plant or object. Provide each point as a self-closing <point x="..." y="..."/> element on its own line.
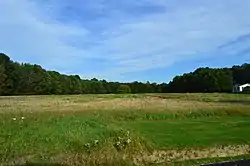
<point x="141" y="129"/>
<point x="150" y="102"/>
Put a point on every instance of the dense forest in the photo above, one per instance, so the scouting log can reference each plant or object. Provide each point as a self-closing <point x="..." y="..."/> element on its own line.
<point x="211" y="80"/>
<point x="27" y="79"/>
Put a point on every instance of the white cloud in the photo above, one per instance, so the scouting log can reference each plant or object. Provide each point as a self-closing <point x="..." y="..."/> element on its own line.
<point x="28" y="34"/>
<point x="163" y="39"/>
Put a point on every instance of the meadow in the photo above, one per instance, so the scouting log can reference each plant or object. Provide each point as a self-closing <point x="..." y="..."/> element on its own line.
<point x="124" y="129"/>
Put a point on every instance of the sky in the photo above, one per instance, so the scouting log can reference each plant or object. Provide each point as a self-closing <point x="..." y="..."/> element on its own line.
<point x="126" y="40"/>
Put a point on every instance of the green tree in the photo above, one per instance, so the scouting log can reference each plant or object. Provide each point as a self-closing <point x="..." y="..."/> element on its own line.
<point x="75" y="86"/>
<point x="55" y="84"/>
<point x="2" y="78"/>
<point x="203" y="80"/>
<point x="241" y="74"/>
<point x="16" y="78"/>
<point x="9" y="68"/>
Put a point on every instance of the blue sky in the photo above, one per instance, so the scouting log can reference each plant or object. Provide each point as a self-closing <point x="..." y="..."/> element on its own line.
<point x="126" y="40"/>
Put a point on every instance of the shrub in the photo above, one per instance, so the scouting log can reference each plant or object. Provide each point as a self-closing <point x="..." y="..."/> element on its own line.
<point x="246" y="90"/>
<point x="124" y="89"/>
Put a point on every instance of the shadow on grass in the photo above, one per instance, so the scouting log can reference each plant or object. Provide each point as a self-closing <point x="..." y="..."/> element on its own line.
<point x="241" y="102"/>
<point x="40" y="164"/>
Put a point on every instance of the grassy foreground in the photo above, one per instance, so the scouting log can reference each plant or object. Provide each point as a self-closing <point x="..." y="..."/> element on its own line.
<point x="146" y="129"/>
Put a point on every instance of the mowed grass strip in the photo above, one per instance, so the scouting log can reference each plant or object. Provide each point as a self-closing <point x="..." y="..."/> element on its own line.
<point x="202" y="132"/>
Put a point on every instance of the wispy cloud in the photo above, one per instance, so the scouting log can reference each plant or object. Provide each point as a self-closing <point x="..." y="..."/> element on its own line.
<point x="239" y="46"/>
<point x="108" y="38"/>
<point x="27" y="33"/>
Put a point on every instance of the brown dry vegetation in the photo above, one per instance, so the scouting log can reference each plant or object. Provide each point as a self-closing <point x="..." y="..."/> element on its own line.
<point x="107" y="156"/>
<point x="88" y="103"/>
<point x="191" y="154"/>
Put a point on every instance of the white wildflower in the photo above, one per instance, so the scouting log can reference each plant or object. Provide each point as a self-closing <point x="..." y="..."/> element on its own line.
<point x="14" y="119"/>
<point x="87" y="145"/>
<point x="23" y="118"/>
<point x="96" y="142"/>
<point x="128" y="141"/>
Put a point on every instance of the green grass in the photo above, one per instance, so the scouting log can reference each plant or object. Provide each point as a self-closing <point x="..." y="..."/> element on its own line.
<point x="46" y="134"/>
<point x="58" y="136"/>
<point x="193" y="132"/>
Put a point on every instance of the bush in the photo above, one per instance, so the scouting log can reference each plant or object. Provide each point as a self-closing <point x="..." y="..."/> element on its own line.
<point x="246" y="90"/>
<point x="124" y="89"/>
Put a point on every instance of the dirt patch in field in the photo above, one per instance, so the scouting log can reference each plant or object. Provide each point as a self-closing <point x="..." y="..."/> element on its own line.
<point x="156" y="157"/>
<point x="192" y="154"/>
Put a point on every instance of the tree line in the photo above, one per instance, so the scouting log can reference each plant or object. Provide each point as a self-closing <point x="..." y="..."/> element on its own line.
<point x="31" y="79"/>
<point x="28" y="79"/>
<point x="207" y="80"/>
